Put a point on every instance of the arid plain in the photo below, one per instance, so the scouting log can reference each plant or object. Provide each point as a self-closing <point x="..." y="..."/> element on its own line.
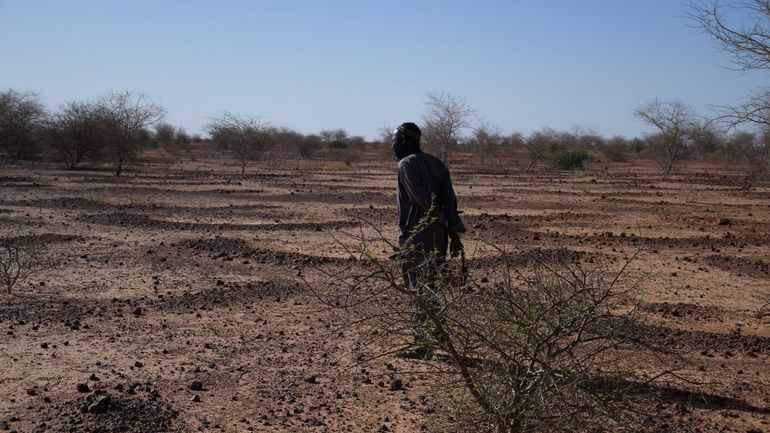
<point x="183" y="282"/>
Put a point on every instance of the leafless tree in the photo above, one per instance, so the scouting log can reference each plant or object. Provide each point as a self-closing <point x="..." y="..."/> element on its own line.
<point x="587" y="138"/>
<point x="165" y="134"/>
<point x="181" y="137"/>
<point x="616" y="149"/>
<point x="747" y="45"/>
<point x="385" y="135"/>
<point x="124" y="118"/>
<point x="20" y="115"/>
<point x="539" y="349"/>
<point x="675" y="122"/>
<point x="243" y="135"/>
<point x="706" y="140"/>
<point x="539" y="144"/>
<point x="486" y="139"/>
<point x="75" y="133"/>
<point x="750" y="155"/>
<point x="334" y="138"/>
<point x="445" y="117"/>
<point x="20" y="258"/>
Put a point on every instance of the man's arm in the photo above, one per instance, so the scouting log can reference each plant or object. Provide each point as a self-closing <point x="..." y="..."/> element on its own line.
<point x="455" y="225"/>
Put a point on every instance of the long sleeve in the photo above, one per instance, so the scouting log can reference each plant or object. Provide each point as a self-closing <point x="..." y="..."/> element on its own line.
<point x="455" y="225"/>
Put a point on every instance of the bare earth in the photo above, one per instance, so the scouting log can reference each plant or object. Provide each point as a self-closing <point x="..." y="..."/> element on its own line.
<point x="176" y="274"/>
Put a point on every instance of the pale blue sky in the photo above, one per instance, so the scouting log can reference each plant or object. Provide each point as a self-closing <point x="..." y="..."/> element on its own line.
<point x="360" y="65"/>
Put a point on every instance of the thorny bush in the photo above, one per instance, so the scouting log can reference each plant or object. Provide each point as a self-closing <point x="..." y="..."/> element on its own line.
<point x="553" y="347"/>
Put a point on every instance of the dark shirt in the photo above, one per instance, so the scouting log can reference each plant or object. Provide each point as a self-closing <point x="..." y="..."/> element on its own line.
<point x="424" y="186"/>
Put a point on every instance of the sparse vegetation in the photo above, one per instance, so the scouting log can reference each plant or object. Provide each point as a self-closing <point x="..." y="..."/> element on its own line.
<point x="675" y="122"/>
<point x="123" y="118"/>
<point x="444" y="119"/>
<point x="569" y="159"/>
<point x="76" y="133"/>
<point x="616" y="149"/>
<point x="245" y="136"/>
<point x="486" y="139"/>
<point x="518" y="350"/>
<point x="20" y="258"/>
<point x="20" y="116"/>
<point x="742" y="29"/>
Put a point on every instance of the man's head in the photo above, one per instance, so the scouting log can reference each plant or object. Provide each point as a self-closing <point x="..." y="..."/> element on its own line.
<point x="406" y="140"/>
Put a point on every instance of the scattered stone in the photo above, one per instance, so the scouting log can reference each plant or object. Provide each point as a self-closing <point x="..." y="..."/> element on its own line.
<point x="138" y="364"/>
<point x="82" y="387"/>
<point x="396" y="384"/>
<point x="32" y="392"/>
<point x="196" y="385"/>
<point x="93" y="377"/>
<point x="101" y="405"/>
<point x="195" y="398"/>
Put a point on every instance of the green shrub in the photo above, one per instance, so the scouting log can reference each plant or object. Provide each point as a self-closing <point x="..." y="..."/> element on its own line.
<point x="337" y="144"/>
<point x="569" y="159"/>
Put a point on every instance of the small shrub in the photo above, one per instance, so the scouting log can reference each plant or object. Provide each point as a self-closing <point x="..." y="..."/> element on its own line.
<point x="569" y="159"/>
<point x="616" y="149"/>
<point x="19" y="258"/>
<point x="337" y="144"/>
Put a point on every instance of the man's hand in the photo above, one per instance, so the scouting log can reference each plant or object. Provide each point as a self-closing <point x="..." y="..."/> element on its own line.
<point x="455" y="247"/>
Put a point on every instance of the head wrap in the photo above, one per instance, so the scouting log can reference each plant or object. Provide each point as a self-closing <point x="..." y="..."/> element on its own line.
<point x="406" y="140"/>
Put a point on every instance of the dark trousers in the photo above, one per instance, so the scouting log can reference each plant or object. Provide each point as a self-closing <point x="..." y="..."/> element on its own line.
<point x="426" y="253"/>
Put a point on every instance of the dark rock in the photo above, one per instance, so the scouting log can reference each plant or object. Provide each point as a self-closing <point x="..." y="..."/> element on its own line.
<point x="195" y="398"/>
<point x="82" y="387"/>
<point x="196" y="385"/>
<point x="44" y="345"/>
<point x="101" y="405"/>
<point x="32" y="392"/>
<point x="396" y="384"/>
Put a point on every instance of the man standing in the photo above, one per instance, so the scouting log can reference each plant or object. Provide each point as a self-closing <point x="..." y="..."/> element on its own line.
<point x="427" y="216"/>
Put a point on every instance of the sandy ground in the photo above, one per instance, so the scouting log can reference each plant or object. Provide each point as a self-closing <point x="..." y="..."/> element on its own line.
<point x="180" y="274"/>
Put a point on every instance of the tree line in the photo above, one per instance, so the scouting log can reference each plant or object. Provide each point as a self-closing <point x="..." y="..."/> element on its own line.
<point x="115" y="128"/>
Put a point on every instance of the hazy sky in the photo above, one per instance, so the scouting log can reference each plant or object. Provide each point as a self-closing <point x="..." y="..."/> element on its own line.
<point x="361" y="65"/>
